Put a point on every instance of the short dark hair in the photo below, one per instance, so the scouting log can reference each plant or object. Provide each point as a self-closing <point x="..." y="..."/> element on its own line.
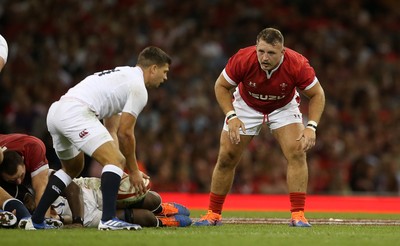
<point x="270" y="36"/>
<point x="12" y="159"/>
<point x="153" y="56"/>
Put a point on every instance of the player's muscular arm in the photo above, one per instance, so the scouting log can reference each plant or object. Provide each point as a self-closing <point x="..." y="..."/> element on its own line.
<point x="73" y="194"/>
<point x="316" y="104"/>
<point x="127" y="145"/>
<point x="224" y="97"/>
<point x="39" y="182"/>
<point x="223" y="94"/>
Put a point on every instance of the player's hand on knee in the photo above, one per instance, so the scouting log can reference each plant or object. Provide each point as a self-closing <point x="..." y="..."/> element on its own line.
<point x="234" y="126"/>
<point x="307" y="139"/>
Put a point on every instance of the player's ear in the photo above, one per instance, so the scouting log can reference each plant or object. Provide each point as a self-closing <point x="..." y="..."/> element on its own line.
<point x="153" y="68"/>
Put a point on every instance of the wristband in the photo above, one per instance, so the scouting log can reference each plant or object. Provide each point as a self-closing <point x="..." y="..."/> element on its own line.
<point x="230" y="112"/>
<point x="230" y="115"/>
<point x="312" y="125"/>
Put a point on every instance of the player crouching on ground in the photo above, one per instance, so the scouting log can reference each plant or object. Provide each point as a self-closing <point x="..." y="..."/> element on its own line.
<point x="146" y="211"/>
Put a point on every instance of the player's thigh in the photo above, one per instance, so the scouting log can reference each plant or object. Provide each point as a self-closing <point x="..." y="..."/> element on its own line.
<point x="73" y="126"/>
<point x="252" y="119"/>
<point x="108" y="153"/>
<point x="230" y="153"/>
<point x="288" y="138"/>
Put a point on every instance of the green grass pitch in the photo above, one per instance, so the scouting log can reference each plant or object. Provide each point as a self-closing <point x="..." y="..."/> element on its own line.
<point x="228" y="234"/>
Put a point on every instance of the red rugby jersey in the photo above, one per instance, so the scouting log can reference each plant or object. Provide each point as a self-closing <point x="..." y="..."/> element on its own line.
<point x="267" y="93"/>
<point x="31" y="148"/>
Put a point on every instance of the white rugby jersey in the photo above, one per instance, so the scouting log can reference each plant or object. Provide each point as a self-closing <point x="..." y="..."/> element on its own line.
<point x="110" y="92"/>
<point x="3" y="49"/>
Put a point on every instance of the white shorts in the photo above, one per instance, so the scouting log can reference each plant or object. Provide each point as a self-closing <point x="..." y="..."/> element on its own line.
<point x="254" y="120"/>
<point x="74" y="128"/>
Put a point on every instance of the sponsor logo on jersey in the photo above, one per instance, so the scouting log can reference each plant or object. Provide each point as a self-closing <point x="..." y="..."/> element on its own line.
<point x="266" y="97"/>
<point x="83" y="134"/>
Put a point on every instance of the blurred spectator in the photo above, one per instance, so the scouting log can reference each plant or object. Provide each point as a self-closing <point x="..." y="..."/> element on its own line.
<point x="353" y="45"/>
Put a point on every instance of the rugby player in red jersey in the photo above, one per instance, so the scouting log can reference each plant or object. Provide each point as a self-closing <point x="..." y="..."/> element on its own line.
<point x="24" y="163"/>
<point x="266" y="77"/>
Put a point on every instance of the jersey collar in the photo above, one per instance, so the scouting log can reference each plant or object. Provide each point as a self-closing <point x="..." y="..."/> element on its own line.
<point x="269" y="74"/>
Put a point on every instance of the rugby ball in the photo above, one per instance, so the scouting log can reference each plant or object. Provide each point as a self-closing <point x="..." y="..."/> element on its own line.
<point x="126" y="195"/>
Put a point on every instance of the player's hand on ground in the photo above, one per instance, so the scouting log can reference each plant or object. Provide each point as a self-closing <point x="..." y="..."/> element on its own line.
<point x="234" y="125"/>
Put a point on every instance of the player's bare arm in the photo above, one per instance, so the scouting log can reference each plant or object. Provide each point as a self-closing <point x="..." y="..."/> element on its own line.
<point x="39" y="182"/>
<point x="316" y="106"/>
<point x="224" y="97"/>
<point x="127" y="145"/>
<point x="74" y="196"/>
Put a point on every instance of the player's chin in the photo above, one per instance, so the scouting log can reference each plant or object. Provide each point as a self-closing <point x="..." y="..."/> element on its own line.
<point x="266" y="67"/>
<point x="156" y="85"/>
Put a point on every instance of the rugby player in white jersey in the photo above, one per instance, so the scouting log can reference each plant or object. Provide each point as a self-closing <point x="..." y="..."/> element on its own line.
<point x="117" y="97"/>
<point x="6" y="218"/>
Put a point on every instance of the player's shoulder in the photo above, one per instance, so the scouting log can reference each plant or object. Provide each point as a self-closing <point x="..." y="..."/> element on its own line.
<point x="246" y="52"/>
<point x="21" y="137"/>
<point x="33" y="142"/>
<point x="244" y="58"/>
<point x="294" y="56"/>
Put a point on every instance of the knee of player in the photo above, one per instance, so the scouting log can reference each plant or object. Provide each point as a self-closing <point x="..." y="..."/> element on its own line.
<point x="227" y="161"/>
<point x="152" y="200"/>
<point x="296" y="154"/>
<point x="119" y="161"/>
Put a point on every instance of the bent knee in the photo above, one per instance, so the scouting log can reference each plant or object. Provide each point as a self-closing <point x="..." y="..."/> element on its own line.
<point x="297" y="155"/>
<point x="228" y="160"/>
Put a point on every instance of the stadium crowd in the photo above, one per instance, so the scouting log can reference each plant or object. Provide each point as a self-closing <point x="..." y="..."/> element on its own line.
<point x="354" y="47"/>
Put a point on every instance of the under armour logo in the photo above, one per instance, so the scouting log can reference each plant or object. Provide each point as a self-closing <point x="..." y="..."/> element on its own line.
<point x="83" y="133"/>
<point x="252" y="84"/>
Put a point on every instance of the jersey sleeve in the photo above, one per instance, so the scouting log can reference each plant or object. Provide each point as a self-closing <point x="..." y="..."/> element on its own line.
<point x="234" y="69"/>
<point x="137" y="100"/>
<point x="306" y="75"/>
<point x="35" y="157"/>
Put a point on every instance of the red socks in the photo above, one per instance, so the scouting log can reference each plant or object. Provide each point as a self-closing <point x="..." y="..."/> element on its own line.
<point x="297" y="201"/>
<point x="216" y="202"/>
